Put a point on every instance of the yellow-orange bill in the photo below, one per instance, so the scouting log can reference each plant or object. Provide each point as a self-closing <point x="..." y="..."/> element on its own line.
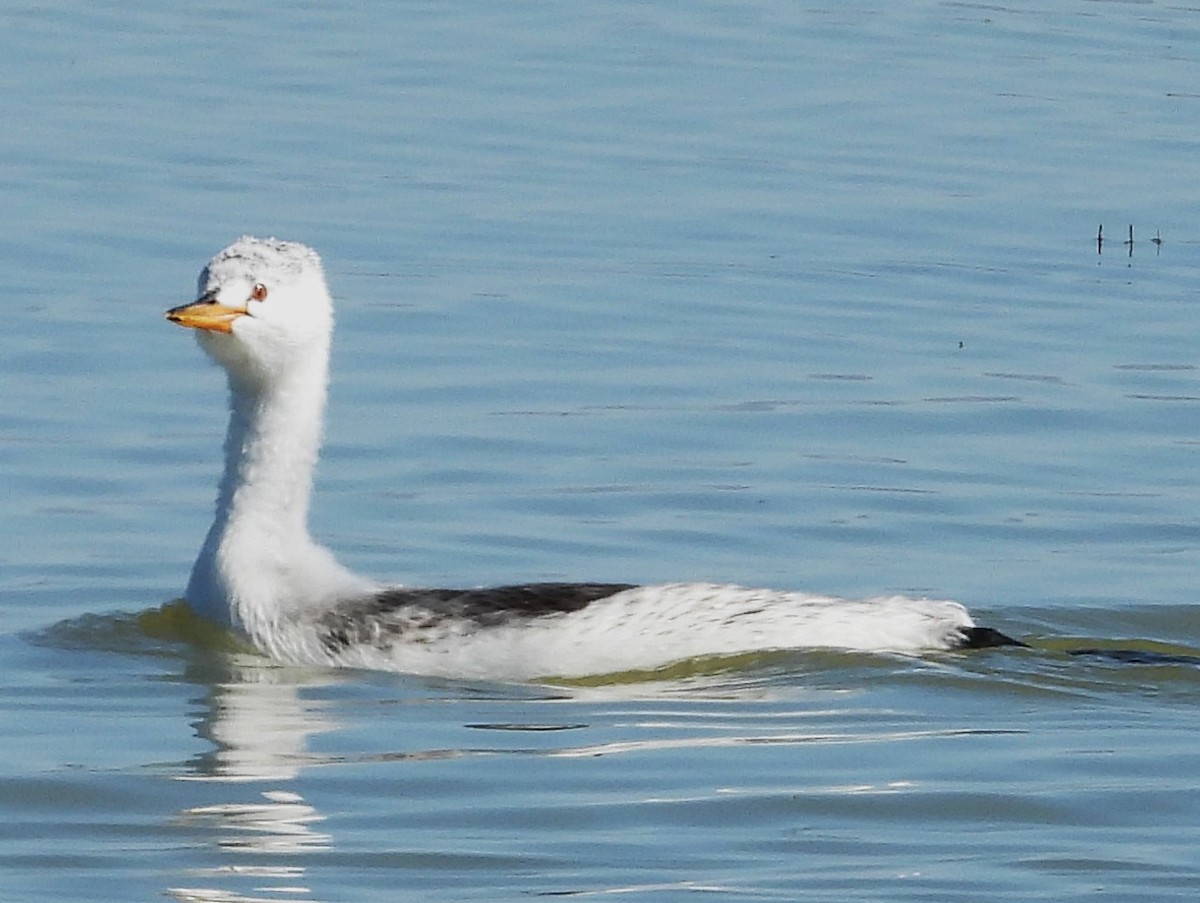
<point x="205" y="314"/>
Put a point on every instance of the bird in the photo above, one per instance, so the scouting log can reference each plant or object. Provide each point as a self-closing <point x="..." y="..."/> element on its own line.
<point x="264" y="313"/>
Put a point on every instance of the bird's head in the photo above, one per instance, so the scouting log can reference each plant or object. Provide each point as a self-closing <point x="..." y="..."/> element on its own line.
<point x="262" y="307"/>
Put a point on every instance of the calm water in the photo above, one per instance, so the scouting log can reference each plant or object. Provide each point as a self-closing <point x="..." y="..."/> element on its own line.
<point x="787" y="294"/>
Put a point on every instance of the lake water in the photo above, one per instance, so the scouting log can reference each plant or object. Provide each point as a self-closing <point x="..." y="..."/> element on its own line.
<point x="798" y="295"/>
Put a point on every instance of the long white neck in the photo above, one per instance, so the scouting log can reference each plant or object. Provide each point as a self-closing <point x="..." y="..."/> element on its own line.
<point x="258" y="564"/>
<point x="271" y="450"/>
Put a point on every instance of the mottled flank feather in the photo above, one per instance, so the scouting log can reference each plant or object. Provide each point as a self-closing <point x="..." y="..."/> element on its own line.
<point x="421" y="615"/>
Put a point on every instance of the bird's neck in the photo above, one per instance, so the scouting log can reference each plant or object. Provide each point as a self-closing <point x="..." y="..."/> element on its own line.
<point x="258" y="563"/>
<point x="271" y="450"/>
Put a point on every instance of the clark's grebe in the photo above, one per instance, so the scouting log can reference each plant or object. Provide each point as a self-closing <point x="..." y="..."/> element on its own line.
<point x="264" y="313"/>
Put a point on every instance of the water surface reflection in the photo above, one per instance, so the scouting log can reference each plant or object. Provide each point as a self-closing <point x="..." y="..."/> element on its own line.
<point x="259" y="726"/>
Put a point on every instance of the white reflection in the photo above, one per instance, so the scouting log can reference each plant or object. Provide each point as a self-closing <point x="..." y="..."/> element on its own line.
<point x="258" y="723"/>
<point x="259" y="726"/>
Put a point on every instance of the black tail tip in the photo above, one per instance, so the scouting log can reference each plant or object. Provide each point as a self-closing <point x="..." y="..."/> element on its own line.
<point x="986" y="638"/>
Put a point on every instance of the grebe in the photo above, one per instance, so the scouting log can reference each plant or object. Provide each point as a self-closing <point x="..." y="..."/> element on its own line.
<point x="264" y="313"/>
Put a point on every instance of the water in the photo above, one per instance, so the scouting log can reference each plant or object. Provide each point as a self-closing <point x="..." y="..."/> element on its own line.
<point x="801" y="296"/>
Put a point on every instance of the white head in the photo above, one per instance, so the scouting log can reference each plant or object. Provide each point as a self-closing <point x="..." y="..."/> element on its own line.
<point x="262" y="307"/>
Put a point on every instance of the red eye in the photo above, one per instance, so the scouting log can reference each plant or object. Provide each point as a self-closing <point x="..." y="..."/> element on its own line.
<point x="259" y="292"/>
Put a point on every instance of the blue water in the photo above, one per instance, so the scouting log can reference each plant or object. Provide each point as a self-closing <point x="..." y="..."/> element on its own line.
<point x="792" y="295"/>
